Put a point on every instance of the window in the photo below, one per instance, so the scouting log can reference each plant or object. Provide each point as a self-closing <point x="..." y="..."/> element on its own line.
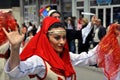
<point x="80" y="4"/>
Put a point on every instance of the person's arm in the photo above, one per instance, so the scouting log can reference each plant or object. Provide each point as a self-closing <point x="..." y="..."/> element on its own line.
<point x="77" y="34"/>
<point x="14" y="57"/>
<point x="86" y="31"/>
<point x="84" y="58"/>
<point x="15" y="39"/>
<point x="33" y="65"/>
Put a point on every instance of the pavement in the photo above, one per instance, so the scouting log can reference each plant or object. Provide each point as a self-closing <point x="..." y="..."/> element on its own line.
<point x="89" y="73"/>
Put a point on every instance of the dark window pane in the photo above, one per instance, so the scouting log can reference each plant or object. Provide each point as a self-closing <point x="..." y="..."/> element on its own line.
<point x="115" y="1"/>
<point x="80" y="4"/>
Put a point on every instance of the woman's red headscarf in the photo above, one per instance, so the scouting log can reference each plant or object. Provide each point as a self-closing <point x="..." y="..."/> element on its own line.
<point x="39" y="45"/>
<point x="109" y="53"/>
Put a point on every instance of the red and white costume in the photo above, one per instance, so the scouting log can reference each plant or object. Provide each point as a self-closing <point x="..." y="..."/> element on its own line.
<point x="39" y="58"/>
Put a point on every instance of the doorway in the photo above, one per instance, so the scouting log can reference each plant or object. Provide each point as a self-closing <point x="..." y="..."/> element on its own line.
<point x="105" y="14"/>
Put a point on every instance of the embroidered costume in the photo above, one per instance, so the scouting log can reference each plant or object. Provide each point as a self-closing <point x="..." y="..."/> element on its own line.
<point x="39" y="58"/>
<point x="109" y="53"/>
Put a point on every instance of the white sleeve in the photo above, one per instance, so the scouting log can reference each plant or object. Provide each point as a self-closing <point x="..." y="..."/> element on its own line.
<point x="33" y="65"/>
<point x="84" y="58"/>
<point x="86" y="31"/>
<point x="29" y="28"/>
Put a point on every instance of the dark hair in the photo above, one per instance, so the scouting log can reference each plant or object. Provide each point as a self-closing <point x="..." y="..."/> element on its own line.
<point x="56" y="25"/>
<point x="24" y="25"/>
<point x="30" y="23"/>
<point x="55" y="12"/>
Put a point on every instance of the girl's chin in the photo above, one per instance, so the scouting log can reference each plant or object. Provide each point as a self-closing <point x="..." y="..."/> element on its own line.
<point x="60" y="51"/>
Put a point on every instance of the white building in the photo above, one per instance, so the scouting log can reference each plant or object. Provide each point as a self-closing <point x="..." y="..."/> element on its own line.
<point x="106" y="11"/>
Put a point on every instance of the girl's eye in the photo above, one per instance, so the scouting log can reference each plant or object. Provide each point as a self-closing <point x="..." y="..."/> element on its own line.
<point x="64" y="37"/>
<point x="57" y="37"/>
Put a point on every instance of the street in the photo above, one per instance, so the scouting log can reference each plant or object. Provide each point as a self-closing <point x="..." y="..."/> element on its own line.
<point x="89" y="73"/>
<point x="83" y="73"/>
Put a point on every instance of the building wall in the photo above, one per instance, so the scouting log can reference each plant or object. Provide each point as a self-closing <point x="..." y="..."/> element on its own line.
<point x="16" y="14"/>
<point x="14" y="5"/>
<point x="8" y="3"/>
<point x="5" y="4"/>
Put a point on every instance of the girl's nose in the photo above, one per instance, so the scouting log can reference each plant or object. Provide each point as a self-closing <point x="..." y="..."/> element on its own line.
<point x="62" y="41"/>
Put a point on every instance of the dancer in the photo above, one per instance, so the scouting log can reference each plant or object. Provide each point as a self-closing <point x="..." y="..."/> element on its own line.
<point x="47" y="55"/>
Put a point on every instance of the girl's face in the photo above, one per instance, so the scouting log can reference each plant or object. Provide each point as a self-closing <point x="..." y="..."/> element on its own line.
<point x="69" y="22"/>
<point x="56" y="15"/>
<point x="24" y="30"/>
<point x="57" y="38"/>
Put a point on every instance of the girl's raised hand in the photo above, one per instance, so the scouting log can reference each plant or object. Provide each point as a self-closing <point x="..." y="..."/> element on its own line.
<point x="14" y="37"/>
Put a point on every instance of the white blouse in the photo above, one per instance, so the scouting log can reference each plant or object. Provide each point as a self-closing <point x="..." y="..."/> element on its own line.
<point x="86" y="31"/>
<point x="35" y="64"/>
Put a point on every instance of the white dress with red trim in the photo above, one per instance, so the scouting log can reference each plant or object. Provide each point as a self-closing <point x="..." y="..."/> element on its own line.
<point x="36" y="65"/>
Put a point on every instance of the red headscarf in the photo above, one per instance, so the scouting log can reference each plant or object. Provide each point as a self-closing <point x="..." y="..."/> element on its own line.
<point x="8" y="22"/>
<point x="39" y="45"/>
<point x="109" y="53"/>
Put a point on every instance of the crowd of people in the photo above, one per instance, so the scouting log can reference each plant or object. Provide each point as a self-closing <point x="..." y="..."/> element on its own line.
<point x="50" y="52"/>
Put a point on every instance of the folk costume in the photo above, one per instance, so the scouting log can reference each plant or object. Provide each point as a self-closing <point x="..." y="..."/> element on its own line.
<point x="42" y="48"/>
<point x="109" y="53"/>
<point x="39" y="58"/>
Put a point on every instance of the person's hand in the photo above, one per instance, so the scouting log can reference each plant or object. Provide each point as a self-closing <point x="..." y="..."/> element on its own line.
<point x="14" y="37"/>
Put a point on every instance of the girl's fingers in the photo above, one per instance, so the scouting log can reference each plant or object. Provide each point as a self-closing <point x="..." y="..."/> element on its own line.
<point x="5" y="30"/>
